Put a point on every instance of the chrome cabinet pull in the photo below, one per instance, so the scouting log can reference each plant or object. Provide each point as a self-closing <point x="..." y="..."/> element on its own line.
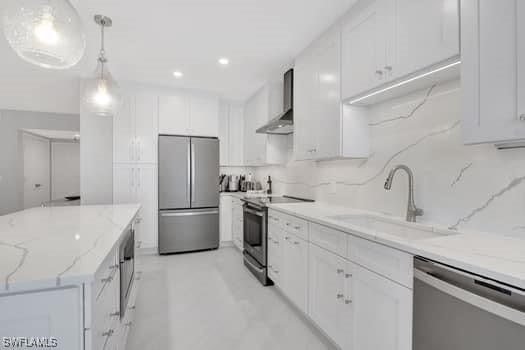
<point x="296" y="242"/>
<point x="115" y="314"/>
<point x="340" y="296"/>
<point x="348" y="301"/>
<point x="339" y="271"/>
<point x="108" y="333"/>
<point x="113" y="267"/>
<point x="388" y="68"/>
<point x="107" y="279"/>
<point x="348" y="275"/>
<point x="128" y="324"/>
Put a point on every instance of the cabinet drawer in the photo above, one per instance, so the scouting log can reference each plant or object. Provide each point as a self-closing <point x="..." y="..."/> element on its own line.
<point x="295" y="225"/>
<point x="106" y="272"/>
<point x="275" y="218"/>
<point x="385" y="261"/>
<point x="330" y="239"/>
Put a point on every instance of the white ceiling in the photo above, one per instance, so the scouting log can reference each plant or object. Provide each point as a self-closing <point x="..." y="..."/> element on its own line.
<point x="150" y="39"/>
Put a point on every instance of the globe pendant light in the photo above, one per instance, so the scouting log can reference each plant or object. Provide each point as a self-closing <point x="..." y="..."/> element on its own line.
<point x="47" y="33"/>
<point x="102" y="93"/>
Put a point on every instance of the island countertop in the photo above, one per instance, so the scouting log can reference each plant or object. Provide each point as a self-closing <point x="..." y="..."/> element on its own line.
<point x="57" y="246"/>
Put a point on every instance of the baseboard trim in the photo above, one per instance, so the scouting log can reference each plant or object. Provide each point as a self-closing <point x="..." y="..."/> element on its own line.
<point x="224" y="244"/>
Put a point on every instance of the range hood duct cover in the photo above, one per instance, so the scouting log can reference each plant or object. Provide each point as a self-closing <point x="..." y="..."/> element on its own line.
<point x="283" y="123"/>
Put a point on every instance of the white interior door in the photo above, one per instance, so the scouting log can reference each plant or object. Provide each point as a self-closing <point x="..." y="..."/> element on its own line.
<point x="36" y="151"/>
<point x="65" y="169"/>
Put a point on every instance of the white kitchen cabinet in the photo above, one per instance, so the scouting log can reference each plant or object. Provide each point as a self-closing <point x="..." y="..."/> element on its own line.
<point x="382" y="312"/>
<point x="174" y="115"/>
<point x="226" y="218"/>
<point x="135" y="128"/>
<point x="275" y="253"/>
<point x="324" y="128"/>
<point x="326" y="294"/>
<point x="391" y="40"/>
<point x="237" y="223"/>
<point x="364" y="50"/>
<point x="295" y="270"/>
<point x="189" y="114"/>
<point x="137" y="183"/>
<point x="52" y="313"/>
<point x="493" y="71"/>
<point x="231" y="131"/>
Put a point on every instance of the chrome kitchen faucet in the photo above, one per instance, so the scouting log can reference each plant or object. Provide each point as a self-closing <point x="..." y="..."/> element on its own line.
<point x="412" y="210"/>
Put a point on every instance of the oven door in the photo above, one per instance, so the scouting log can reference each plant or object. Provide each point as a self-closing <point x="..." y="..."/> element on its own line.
<point x="254" y="233"/>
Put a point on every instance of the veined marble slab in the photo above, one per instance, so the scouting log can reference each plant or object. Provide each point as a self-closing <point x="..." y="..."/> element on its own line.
<point x="57" y="246"/>
<point x="498" y="257"/>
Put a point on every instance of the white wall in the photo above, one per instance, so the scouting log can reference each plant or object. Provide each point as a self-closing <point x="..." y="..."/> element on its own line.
<point x="65" y="169"/>
<point x="464" y="187"/>
<point x="11" y="156"/>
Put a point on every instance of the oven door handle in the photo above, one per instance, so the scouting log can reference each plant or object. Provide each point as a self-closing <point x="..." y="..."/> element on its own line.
<point x="483" y="303"/>
<point x="254" y="212"/>
<point x="258" y="269"/>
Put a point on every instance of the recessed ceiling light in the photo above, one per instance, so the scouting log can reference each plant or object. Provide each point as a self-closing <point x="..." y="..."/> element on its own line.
<point x="224" y="61"/>
<point x="177" y="74"/>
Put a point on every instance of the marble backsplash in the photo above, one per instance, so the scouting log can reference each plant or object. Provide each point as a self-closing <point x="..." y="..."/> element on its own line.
<point x="461" y="187"/>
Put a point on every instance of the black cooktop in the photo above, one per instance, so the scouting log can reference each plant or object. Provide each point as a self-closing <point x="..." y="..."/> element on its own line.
<point x="262" y="201"/>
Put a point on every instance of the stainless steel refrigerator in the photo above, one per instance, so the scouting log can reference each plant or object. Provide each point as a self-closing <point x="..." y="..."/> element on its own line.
<point x="188" y="193"/>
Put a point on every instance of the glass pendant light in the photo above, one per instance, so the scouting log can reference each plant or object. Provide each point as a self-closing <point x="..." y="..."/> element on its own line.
<point x="47" y="33"/>
<point x="102" y="93"/>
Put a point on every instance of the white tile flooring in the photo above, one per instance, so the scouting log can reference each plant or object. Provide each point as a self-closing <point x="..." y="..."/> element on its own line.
<point x="209" y="300"/>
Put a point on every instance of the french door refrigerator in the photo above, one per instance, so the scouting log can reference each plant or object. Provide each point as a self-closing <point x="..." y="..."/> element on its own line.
<point x="188" y="193"/>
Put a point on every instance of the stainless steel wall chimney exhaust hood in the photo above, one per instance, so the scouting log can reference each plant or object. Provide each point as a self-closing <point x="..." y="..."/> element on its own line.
<point x="283" y="123"/>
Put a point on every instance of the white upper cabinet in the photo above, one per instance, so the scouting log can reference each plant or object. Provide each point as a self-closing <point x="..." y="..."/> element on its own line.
<point x="185" y="114"/>
<point x="174" y="115"/>
<point x="493" y="71"/>
<point x="391" y="40"/>
<point x="363" y="51"/>
<point x="231" y="134"/>
<point x="135" y="129"/>
<point x="322" y="125"/>
<point x="204" y="116"/>
<point x="427" y="32"/>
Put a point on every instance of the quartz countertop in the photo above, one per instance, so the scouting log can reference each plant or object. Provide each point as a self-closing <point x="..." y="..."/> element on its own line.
<point x="57" y="246"/>
<point x="488" y="254"/>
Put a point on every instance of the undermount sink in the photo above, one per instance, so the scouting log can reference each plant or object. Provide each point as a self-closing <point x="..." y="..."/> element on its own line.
<point x="404" y="230"/>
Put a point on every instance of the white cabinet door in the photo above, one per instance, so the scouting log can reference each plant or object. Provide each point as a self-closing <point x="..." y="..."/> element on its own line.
<point x="491" y="32"/>
<point x="226" y="219"/>
<point x="382" y="312"/>
<point x="52" y="313"/>
<point x="305" y="96"/>
<point x="204" y="116"/>
<point x="124" y="131"/>
<point x="256" y="116"/>
<point x="236" y="134"/>
<point x="275" y="253"/>
<point x="146" y="127"/>
<point x="326" y="293"/>
<point x="224" y="134"/>
<point x="427" y="33"/>
<point x="174" y="115"/>
<point x="364" y="51"/>
<point x="328" y="119"/>
<point x="295" y="270"/>
<point x="146" y="183"/>
<point x="124" y="180"/>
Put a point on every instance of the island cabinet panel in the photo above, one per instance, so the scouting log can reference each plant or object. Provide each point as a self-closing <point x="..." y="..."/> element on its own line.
<point x="51" y="313"/>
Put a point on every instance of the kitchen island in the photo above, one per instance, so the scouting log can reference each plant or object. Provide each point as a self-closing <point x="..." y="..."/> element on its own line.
<point x="60" y="273"/>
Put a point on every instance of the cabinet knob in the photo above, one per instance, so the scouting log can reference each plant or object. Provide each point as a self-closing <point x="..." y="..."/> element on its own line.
<point x="297" y="227"/>
<point x="340" y="296"/>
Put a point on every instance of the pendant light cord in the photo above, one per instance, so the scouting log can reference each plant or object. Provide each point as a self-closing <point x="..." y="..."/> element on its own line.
<point x="102" y="56"/>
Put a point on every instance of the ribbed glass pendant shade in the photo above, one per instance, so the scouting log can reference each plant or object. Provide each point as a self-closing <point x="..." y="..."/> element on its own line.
<point x="47" y="33"/>
<point x="102" y="93"/>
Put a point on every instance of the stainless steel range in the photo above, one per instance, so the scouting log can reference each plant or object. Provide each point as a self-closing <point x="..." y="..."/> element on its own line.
<point x="255" y="233"/>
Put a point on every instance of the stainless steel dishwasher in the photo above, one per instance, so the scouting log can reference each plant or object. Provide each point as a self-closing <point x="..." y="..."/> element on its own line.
<point x="459" y="310"/>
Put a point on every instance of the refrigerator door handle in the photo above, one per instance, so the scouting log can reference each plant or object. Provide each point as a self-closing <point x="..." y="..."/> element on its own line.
<point x="210" y="212"/>
<point x="192" y="147"/>
<point x="188" y="182"/>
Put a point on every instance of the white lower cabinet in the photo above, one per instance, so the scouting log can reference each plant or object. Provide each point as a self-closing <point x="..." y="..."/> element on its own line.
<point x="382" y="312"/>
<point x="358" y="308"/>
<point x="226" y="218"/>
<point x="326" y="293"/>
<point x="295" y="270"/>
<point x="237" y="223"/>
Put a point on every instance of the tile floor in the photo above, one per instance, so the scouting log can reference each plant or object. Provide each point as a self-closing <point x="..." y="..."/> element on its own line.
<point x="209" y="300"/>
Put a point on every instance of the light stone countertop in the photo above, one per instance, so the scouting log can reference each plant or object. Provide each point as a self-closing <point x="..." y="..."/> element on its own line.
<point x="57" y="246"/>
<point x="491" y="255"/>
